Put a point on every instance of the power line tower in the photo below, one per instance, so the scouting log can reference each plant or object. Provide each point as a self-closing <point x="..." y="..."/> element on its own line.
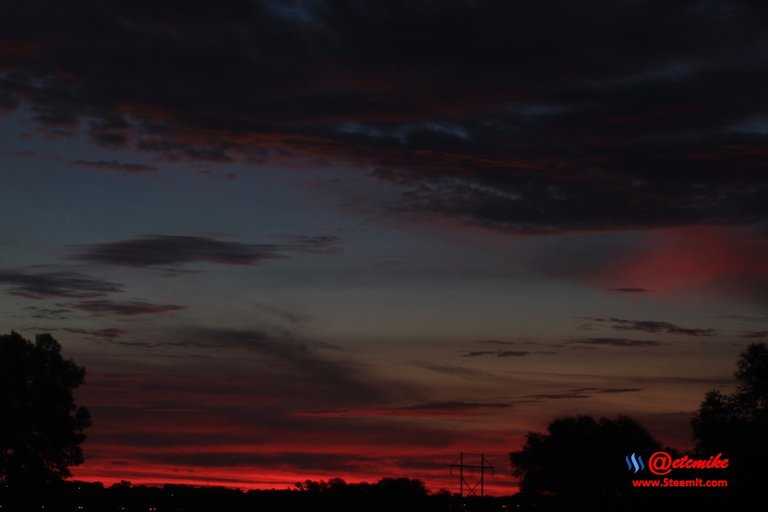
<point x="469" y="479"/>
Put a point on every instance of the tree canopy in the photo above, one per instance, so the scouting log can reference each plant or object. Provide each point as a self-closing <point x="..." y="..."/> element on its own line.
<point x="736" y="424"/>
<point x="42" y="427"/>
<point x="580" y="457"/>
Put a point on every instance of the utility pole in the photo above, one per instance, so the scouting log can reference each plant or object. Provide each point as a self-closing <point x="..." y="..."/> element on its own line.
<point x="471" y="485"/>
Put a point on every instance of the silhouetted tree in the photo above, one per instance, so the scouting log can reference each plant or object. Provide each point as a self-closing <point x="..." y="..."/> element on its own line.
<point x="42" y="428"/>
<point x="736" y="424"/>
<point x="579" y="457"/>
<point x="400" y="491"/>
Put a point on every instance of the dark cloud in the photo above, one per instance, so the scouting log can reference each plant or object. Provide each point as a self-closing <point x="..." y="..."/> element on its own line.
<point x="582" y="393"/>
<point x="442" y="406"/>
<point x="651" y="326"/>
<point x="428" y="409"/>
<point x="114" y="165"/>
<point x="459" y="371"/>
<point x="159" y="250"/>
<point x="124" y="308"/>
<point x="746" y="318"/>
<point x="609" y="378"/>
<point x="110" y="333"/>
<point x="41" y="285"/>
<point x="513" y="353"/>
<point x="533" y="116"/>
<point x="505" y="353"/>
<point x="630" y="290"/>
<point x="107" y="333"/>
<point x="619" y="390"/>
<point x="169" y="250"/>
<point x="617" y="342"/>
<point x="478" y="353"/>
<point x="558" y="396"/>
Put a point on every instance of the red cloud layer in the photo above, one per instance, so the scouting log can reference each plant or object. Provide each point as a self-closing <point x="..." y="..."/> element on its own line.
<point x="166" y="429"/>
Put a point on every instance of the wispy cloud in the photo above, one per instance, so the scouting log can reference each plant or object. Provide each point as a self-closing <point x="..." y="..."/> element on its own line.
<point x="478" y="353"/>
<point x="650" y="326"/>
<point x="586" y="392"/>
<point x="114" y="165"/>
<point x="458" y="371"/>
<point x="507" y="342"/>
<point x="109" y="333"/>
<point x="617" y="342"/>
<point x="754" y="334"/>
<point x="53" y="313"/>
<point x="124" y="308"/>
<point x="506" y="353"/>
<point x="531" y="348"/>
<point x="290" y="317"/>
<point x="428" y="409"/>
<point x="41" y="285"/>
<point x="298" y="364"/>
<point x="746" y="318"/>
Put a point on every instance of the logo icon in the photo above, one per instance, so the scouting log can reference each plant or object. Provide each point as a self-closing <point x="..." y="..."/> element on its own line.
<point x="634" y="461"/>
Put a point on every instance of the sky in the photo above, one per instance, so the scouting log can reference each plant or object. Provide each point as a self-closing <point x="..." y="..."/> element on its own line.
<point x="300" y="239"/>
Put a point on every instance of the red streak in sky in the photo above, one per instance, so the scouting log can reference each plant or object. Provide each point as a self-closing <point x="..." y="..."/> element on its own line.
<point x="694" y="258"/>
